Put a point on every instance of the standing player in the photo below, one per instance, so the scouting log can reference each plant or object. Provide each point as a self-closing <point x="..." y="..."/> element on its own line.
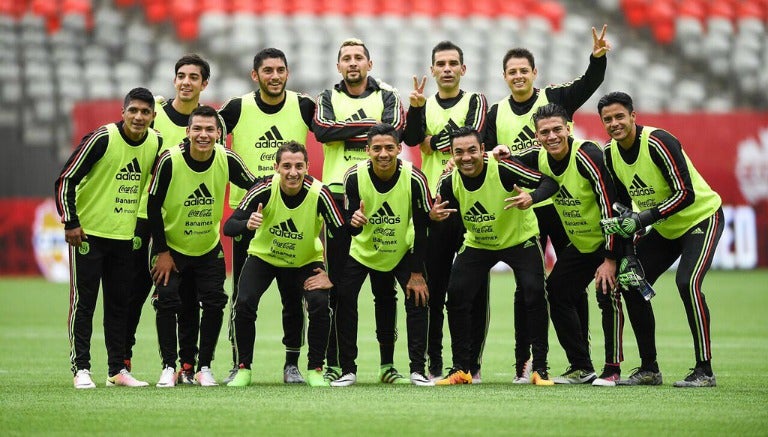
<point x="585" y="196"/>
<point x="428" y="124"/>
<point x="510" y="124"/>
<point x="343" y="117"/>
<point x="184" y="209"/>
<point x="97" y="196"/>
<point x="388" y="247"/>
<point x="477" y="188"/>
<point x="287" y="213"/>
<point x="191" y="78"/>
<point x="652" y="171"/>
<point x="260" y="122"/>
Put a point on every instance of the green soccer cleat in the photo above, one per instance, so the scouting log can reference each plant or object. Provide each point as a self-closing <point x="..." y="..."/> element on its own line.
<point x="332" y="373"/>
<point x="642" y="377"/>
<point x="316" y="378"/>
<point x="575" y="376"/>
<point x="242" y="378"/>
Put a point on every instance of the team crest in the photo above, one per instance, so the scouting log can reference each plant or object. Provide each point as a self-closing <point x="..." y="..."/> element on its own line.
<point x="84" y="248"/>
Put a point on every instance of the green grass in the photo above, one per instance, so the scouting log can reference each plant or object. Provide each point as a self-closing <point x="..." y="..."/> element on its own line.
<point x="36" y="394"/>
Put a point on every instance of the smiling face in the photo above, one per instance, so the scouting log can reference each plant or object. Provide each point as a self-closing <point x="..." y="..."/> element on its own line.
<point x="292" y="168"/>
<point x="520" y="76"/>
<point x="619" y="123"/>
<point x="189" y="83"/>
<point x="353" y="64"/>
<point x="468" y="155"/>
<point x="272" y="76"/>
<point x="137" y="116"/>
<point x="447" y="70"/>
<point x="383" y="151"/>
<point x="203" y="132"/>
<point x="552" y="133"/>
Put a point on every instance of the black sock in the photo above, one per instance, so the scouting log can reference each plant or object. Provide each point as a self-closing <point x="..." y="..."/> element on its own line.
<point x="387" y="353"/>
<point x="292" y="357"/>
<point x="706" y="366"/>
<point x="653" y="366"/>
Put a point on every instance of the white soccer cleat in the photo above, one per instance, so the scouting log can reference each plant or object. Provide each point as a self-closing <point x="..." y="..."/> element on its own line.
<point x="345" y="380"/>
<point x="420" y="380"/>
<point x="204" y="377"/>
<point x="83" y="379"/>
<point x="125" y="379"/>
<point x="167" y="378"/>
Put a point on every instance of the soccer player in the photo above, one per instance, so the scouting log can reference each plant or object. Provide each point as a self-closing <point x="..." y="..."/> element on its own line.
<point x="287" y="213"/>
<point x="478" y="188"/>
<point x="653" y="172"/>
<point x="184" y="209"/>
<point x="428" y="124"/>
<point x="97" y="196"/>
<point x="510" y="125"/>
<point x="389" y="203"/>
<point x="191" y="78"/>
<point x="342" y="119"/>
<point x="260" y="122"/>
<point x="585" y="197"/>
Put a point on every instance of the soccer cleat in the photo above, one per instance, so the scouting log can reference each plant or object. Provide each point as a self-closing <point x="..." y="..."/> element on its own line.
<point x="418" y="378"/>
<point x="186" y="375"/>
<point x="575" y="376"/>
<point x="434" y="375"/>
<point x="610" y="376"/>
<point x="390" y="375"/>
<point x="83" y="379"/>
<point x="697" y="378"/>
<point x="291" y="375"/>
<point x="523" y="373"/>
<point x="204" y="377"/>
<point x="242" y="378"/>
<point x="477" y="377"/>
<point x="332" y="373"/>
<point x="454" y="377"/>
<point x="344" y="380"/>
<point x="167" y="378"/>
<point x="125" y="379"/>
<point x="541" y="377"/>
<point x="642" y="377"/>
<point x="315" y="378"/>
<point x="231" y="375"/>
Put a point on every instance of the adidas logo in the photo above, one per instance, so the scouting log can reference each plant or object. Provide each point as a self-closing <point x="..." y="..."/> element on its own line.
<point x="640" y="188"/>
<point x="451" y="126"/>
<point x="269" y="139"/>
<point x="286" y="229"/>
<point x="359" y="115"/>
<point x="564" y="198"/>
<point x="201" y="196"/>
<point x="528" y="244"/>
<point x="697" y="231"/>
<point x="131" y="172"/>
<point x="477" y="214"/>
<point x="525" y="139"/>
<point x="384" y="216"/>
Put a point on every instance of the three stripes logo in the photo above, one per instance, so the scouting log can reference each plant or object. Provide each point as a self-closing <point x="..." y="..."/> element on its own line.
<point x="451" y="126"/>
<point x="525" y="139"/>
<point x="131" y="172"/>
<point x="287" y="229"/>
<point x="357" y="116"/>
<point x="269" y="139"/>
<point x="384" y="216"/>
<point x="478" y="214"/>
<point x="639" y="188"/>
<point x="201" y="196"/>
<point x="565" y="198"/>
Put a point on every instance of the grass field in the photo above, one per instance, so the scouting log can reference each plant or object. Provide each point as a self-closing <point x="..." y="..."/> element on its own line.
<point x="37" y="397"/>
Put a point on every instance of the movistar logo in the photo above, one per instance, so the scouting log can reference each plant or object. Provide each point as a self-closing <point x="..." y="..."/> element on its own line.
<point x="269" y="139"/>
<point x="564" y="198"/>
<point x="287" y="229"/>
<point x="384" y="216"/>
<point x="201" y="196"/>
<point x="640" y="188"/>
<point x="359" y="115"/>
<point x="477" y="213"/>
<point x="525" y="139"/>
<point x="131" y="172"/>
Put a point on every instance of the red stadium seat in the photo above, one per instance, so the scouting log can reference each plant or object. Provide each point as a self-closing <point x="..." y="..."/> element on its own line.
<point x="249" y="6"/>
<point x="188" y="28"/>
<point x="692" y="8"/>
<point x="552" y="11"/>
<point x="215" y="6"/>
<point x="45" y="8"/>
<point x="636" y="12"/>
<point x="273" y="7"/>
<point x="309" y="7"/>
<point x="722" y="9"/>
<point x="82" y="7"/>
<point x="752" y="9"/>
<point x="424" y="7"/>
<point x="394" y="7"/>
<point x="483" y="7"/>
<point x="368" y="7"/>
<point x="454" y="8"/>
<point x="157" y="10"/>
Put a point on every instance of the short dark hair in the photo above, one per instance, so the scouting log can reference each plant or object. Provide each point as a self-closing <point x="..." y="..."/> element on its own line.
<point x="141" y="94"/>
<point x="548" y="111"/>
<point x="383" y="129"/>
<point x="351" y="42"/>
<point x="204" y="111"/>
<point x="268" y="53"/>
<point x="464" y="131"/>
<point x="194" y="59"/>
<point x="518" y="52"/>
<point x="619" y="97"/>
<point x="291" y="147"/>
<point x="443" y="46"/>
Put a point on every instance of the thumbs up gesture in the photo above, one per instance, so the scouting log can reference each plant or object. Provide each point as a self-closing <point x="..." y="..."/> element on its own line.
<point x="358" y="217"/>
<point x="521" y="199"/>
<point x="417" y="98"/>
<point x="254" y="221"/>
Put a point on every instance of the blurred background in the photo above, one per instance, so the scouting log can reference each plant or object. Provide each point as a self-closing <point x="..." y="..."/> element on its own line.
<point x="698" y="68"/>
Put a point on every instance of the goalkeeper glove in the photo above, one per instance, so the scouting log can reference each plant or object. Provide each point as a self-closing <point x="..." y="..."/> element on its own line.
<point x="627" y="223"/>
<point x="632" y="277"/>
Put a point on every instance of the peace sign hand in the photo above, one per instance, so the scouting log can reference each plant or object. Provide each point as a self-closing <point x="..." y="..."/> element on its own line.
<point x="417" y="95"/>
<point x="600" y="46"/>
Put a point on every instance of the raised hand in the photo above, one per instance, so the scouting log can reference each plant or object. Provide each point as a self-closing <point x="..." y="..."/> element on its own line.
<point x="417" y="95"/>
<point x="521" y="200"/>
<point x="254" y="221"/>
<point x="358" y="217"/>
<point x="501" y="152"/>
<point x="439" y="212"/>
<point x="600" y="46"/>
